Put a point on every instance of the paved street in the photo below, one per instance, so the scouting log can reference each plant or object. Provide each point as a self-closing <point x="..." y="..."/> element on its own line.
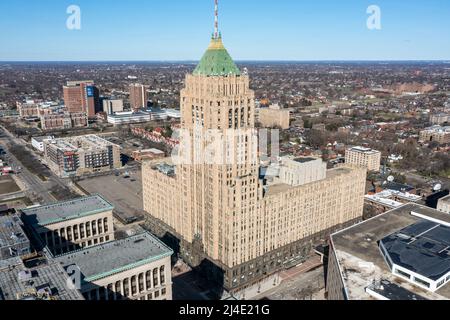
<point x="36" y="187"/>
<point x="304" y="282"/>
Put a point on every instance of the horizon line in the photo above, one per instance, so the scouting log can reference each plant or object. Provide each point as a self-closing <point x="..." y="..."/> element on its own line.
<point x="238" y="61"/>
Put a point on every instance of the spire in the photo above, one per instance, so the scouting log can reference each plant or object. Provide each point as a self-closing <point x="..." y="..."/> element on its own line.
<point x="216" y="61"/>
<point x="216" y="19"/>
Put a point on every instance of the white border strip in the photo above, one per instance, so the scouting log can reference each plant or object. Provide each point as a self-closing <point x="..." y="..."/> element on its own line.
<point x="425" y="217"/>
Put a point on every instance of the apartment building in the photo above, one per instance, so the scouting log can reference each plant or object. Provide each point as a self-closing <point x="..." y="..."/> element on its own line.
<point x="436" y="133"/>
<point x="76" y="156"/>
<point x="364" y="157"/>
<point x="13" y="240"/>
<point x="138" y="96"/>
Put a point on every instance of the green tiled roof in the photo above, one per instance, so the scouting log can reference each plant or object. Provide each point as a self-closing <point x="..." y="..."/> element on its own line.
<point x="217" y="61"/>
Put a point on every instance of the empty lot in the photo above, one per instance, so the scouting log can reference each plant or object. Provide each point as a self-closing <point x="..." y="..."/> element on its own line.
<point x="124" y="194"/>
<point x="8" y="185"/>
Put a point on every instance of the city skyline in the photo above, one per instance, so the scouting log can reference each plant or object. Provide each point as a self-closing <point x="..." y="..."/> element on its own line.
<point x="175" y="31"/>
<point x="318" y="168"/>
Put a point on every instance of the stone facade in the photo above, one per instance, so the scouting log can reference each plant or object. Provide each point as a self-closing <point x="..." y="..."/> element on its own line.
<point x="274" y="117"/>
<point x="364" y="157"/>
<point x="220" y="213"/>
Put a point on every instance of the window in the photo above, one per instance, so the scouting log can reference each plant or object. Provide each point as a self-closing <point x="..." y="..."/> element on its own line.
<point x="94" y="228"/>
<point x="402" y="273"/>
<point x="88" y="229"/>
<point x="155" y="277"/>
<point x="421" y="282"/>
<point x="148" y="278"/>
<point x="105" y="224"/>
<point x="126" y="287"/>
<point x="133" y="285"/>
<point x="117" y="287"/>
<point x="99" y="223"/>
<point x="162" y="275"/>
<point x="141" y="282"/>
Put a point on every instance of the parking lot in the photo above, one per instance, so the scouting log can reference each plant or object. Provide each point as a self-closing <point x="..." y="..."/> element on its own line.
<point x="124" y="193"/>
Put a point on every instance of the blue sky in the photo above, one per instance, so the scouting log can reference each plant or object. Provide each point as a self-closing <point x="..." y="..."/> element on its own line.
<point x="252" y="30"/>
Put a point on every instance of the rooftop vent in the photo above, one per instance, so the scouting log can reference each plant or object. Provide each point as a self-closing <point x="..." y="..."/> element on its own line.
<point x="24" y="275"/>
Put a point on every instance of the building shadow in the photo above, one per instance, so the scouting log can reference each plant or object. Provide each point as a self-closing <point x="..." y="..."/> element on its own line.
<point x="433" y="199"/>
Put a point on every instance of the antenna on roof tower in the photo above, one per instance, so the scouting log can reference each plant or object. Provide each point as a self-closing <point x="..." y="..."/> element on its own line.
<point x="216" y="19"/>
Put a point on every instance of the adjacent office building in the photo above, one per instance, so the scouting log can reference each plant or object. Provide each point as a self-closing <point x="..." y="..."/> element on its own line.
<point x="400" y="255"/>
<point x="151" y="154"/>
<point x="136" y="268"/>
<point x="13" y="241"/>
<point x="28" y="109"/>
<point x="71" y="225"/>
<point x="38" y="142"/>
<point x="364" y="157"/>
<point x="128" y="117"/>
<point x="82" y="96"/>
<point x="46" y="281"/>
<point x="75" y="156"/>
<point x="436" y="133"/>
<point x="34" y="109"/>
<point x="64" y="121"/>
<point x="274" y="117"/>
<point x="111" y="106"/>
<point x="222" y="213"/>
<point x="440" y="118"/>
<point x="444" y="204"/>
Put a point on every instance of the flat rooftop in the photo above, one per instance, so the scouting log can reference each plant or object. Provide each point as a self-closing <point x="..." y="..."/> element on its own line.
<point x="68" y="210"/>
<point x="167" y="169"/>
<point x="393" y="291"/>
<point x="273" y="189"/>
<point x="305" y="159"/>
<point x="41" y="139"/>
<point x="422" y="248"/>
<point x="116" y="256"/>
<point x="438" y="129"/>
<point x="11" y="232"/>
<point x="44" y="282"/>
<point x="364" y="150"/>
<point x="129" y="114"/>
<point x="360" y="258"/>
<point x="394" y="186"/>
<point x="153" y="150"/>
<point x="86" y="143"/>
<point x="445" y="199"/>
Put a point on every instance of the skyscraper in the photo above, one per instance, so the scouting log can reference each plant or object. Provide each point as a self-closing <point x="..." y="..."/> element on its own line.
<point x="213" y="201"/>
<point x="82" y="96"/>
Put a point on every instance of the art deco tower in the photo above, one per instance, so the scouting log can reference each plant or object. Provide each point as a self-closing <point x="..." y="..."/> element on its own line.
<point x="219" y="175"/>
<point x="212" y="206"/>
